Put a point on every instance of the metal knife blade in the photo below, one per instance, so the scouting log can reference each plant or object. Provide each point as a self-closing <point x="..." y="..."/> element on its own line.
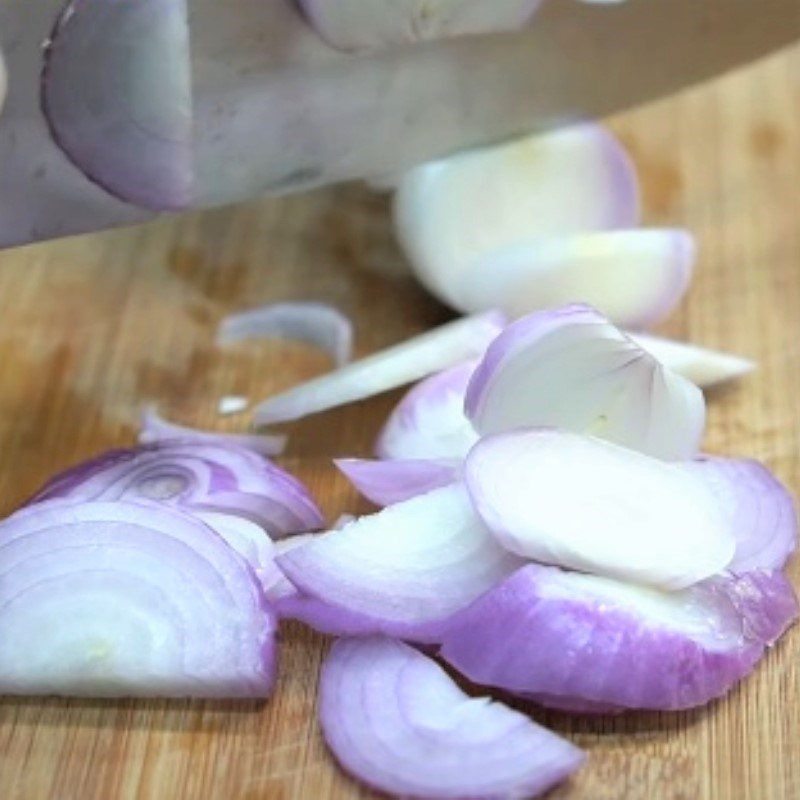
<point x="275" y="109"/>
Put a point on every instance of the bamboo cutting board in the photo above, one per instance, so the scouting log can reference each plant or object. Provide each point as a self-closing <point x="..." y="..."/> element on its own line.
<point x="92" y="327"/>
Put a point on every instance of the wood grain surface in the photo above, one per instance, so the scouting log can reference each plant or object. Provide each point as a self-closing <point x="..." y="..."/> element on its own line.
<point x="92" y="327"/>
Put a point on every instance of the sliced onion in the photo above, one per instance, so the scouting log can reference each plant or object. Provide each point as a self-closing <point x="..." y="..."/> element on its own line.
<point x="116" y="91"/>
<point x="429" y="421"/>
<point x="450" y="214"/>
<point x="397" y="366"/>
<point x="634" y="277"/>
<point x="232" y="404"/>
<point x="396" y="721"/>
<point x="388" y="482"/>
<point x="701" y="366"/>
<point x="315" y="323"/>
<point x="586" y="504"/>
<point x="570" y="368"/>
<point x="277" y="587"/>
<point x="370" y="25"/>
<point x="759" y="510"/>
<point x="195" y="476"/>
<point x="401" y="571"/>
<point x="570" y="636"/>
<point x="157" y="429"/>
<point x="114" y="599"/>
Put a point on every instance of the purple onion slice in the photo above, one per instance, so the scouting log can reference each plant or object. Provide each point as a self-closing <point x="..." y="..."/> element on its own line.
<point x="565" y="637"/>
<point x="395" y="720"/>
<point x="114" y="599"/>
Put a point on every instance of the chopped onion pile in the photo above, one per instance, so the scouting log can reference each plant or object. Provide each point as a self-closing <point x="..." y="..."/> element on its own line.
<point x="393" y="718"/>
<point x="371" y="25"/>
<point x="315" y="323"/>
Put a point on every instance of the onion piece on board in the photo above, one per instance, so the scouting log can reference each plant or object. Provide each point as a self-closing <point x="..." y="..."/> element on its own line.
<point x="701" y="366"/>
<point x="429" y="422"/>
<point x="116" y="92"/>
<point x="315" y="323"/>
<point x="759" y="509"/>
<point x="570" y="368"/>
<point x="567" y="637"/>
<point x="582" y="503"/>
<point x="388" y="369"/>
<point x="451" y="213"/>
<point x="116" y="599"/>
<point x="394" y="481"/>
<point x="400" y="572"/>
<point x="372" y="25"/>
<point x="195" y="476"/>
<point x="156" y="429"/>
<point x="634" y="277"/>
<point x="396" y="721"/>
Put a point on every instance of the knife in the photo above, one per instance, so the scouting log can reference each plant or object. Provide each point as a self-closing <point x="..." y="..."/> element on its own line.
<point x="118" y="110"/>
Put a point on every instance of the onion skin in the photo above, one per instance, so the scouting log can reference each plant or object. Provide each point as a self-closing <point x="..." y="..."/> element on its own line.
<point x="128" y="600"/>
<point x="545" y="632"/>
<point x="397" y="722"/>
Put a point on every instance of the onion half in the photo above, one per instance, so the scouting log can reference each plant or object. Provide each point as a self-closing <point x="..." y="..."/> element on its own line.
<point x="570" y="368"/>
<point x="316" y="323"/>
<point x="194" y="476"/>
<point x="115" y="599"/>
<point x="586" y="504"/>
<point x="400" y="572"/>
<point x="397" y="722"/>
<point x="567" y="637"/>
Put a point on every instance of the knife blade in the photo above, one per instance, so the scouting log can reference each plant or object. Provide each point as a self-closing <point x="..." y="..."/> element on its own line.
<point x="263" y="105"/>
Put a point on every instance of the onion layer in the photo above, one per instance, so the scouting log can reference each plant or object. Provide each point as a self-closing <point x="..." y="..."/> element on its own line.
<point x="116" y="91"/>
<point x="397" y="366"/>
<point x="451" y="213"/>
<point x="570" y="368"/>
<point x="195" y="476"/>
<point x="400" y="572"/>
<point x="397" y="722"/>
<point x="578" y="637"/>
<point x="429" y="421"/>
<point x="388" y="482"/>
<point x="113" y="599"/>
<point x="315" y="323"/>
<point x="582" y="503"/>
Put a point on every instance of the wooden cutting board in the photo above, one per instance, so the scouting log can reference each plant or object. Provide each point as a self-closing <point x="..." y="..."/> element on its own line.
<point x="93" y="327"/>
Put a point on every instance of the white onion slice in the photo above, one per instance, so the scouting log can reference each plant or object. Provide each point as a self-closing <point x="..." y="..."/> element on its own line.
<point x="232" y="404"/>
<point x="703" y="367"/>
<point x="449" y="214"/>
<point x="634" y="277"/>
<point x="371" y="25"/>
<point x="400" y="572"/>
<point x="758" y="508"/>
<point x="387" y="482"/>
<point x="157" y="429"/>
<point x="388" y="369"/>
<point x="116" y="91"/>
<point x="396" y="721"/>
<point x="589" y="505"/>
<point x="315" y="323"/>
<point x="570" y="368"/>
<point x="114" y="599"/>
<point x="566" y="637"/>
<point x="429" y="422"/>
